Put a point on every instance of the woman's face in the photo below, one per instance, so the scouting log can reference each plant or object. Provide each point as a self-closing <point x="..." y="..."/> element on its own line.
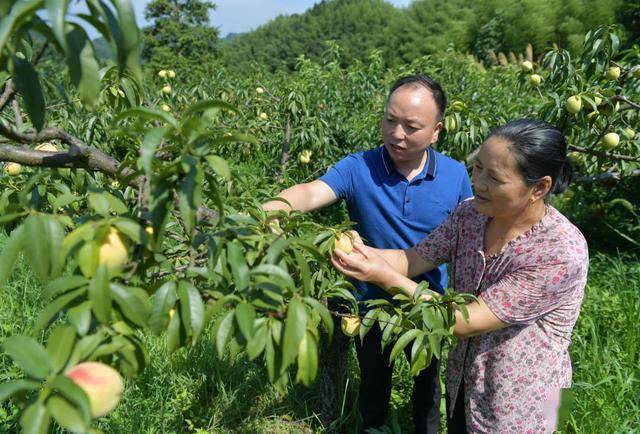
<point x="500" y="190"/>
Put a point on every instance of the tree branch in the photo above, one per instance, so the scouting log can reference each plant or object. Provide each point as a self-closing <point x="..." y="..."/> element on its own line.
<point x="79" y="155"/>
<point x="8" y="93"/>
<point x="626" y="100"/>
<point x="608" y="176"/>
<point x="604" y="154"/>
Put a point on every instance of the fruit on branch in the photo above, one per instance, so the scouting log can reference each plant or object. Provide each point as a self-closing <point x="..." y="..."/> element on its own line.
<point x="165" y="108"/>
<point x="344" y="243"/>
<point x="259" y="90"/>
<point x="46" y="146"/>
<point x="305" y="156"/>
<point x="162" y="73"/>
<point x="166" y="89"/>
<point x="457" y="106"/>
<point x="526" y="66"/>
<point x="636" y="71"/>
<point x="263" y="116"/>
<point x="610" y="140"/>
<point x="592" y="114"/>
<point x="629" y="133"/>
<point x="450" y="124"/>
<point x="113" y="252"/>
<point x="102" y="384"/>
<point x="573" y="104"/>
<point x="597" y="100"/>
<point x="171" y="73"/>
<point x="535" y="80"/>
<point x="350" y="325"/>
<point x="13" y="169"/>
<point x="613" y="73"/>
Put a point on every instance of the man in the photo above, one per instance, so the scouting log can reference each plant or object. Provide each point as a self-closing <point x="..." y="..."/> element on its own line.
<point x="396" y="194"/>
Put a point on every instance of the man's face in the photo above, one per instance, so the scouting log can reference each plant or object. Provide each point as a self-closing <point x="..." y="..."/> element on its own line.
<point x="409" y="123"/>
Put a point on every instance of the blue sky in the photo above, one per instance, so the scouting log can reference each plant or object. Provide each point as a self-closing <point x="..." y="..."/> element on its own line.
<point x="235" y="16"/>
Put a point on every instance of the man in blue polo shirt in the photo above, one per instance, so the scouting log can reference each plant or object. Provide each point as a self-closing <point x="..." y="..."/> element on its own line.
<point x="397" y="194"/>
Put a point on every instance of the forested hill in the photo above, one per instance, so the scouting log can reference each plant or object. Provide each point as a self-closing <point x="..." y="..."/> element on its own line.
<point x="424" y="27"/>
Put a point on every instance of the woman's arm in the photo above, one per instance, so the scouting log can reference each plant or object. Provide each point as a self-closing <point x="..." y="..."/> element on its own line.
<point x="366" y="264"/>
<point x="406" y="262"/>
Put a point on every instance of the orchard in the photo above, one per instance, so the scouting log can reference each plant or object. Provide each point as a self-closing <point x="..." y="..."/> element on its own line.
<point x="133" y="196"/>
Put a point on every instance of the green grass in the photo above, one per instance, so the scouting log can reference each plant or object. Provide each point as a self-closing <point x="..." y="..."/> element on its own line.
<point x="194" y="391"/>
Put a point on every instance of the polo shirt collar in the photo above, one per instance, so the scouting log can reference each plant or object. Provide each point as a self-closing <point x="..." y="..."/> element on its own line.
<point x="429" y="169"/>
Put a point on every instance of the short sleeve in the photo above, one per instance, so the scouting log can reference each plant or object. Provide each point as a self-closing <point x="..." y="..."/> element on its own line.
<point x="437" y="247"/>
<point x="339" y="177"/>
<point x="529" y="293"/>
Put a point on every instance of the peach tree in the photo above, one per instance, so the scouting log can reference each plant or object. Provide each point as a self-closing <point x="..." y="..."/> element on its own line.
<point x="116" y="196"/>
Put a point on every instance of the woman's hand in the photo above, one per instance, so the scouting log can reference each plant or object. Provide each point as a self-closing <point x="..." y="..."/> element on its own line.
<point x="363" y="263"/>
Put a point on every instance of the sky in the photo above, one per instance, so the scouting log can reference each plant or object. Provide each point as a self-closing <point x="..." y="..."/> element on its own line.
<point x="237" y="16"/>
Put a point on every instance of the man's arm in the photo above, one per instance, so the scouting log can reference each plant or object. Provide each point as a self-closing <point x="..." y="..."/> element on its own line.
<point x="303" y="197"/>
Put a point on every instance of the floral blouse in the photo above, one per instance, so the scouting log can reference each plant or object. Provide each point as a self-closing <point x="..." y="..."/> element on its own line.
<point x="512" y="376"/>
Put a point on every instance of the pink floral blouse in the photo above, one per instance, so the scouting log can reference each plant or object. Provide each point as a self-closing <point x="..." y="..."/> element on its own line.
<point x="512" y="376"/>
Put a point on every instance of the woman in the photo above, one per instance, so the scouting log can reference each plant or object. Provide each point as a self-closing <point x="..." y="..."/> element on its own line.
<point x="528" y="266"/>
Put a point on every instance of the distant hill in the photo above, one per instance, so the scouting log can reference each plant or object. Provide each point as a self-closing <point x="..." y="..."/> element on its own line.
<point x="424" y="27"/>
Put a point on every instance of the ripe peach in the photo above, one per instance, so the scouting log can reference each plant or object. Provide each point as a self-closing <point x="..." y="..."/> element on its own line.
<point x="102" y="384"/>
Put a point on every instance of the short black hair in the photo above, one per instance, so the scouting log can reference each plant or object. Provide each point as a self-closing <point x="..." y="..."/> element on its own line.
<point x="427" y="82"/>
<point x="540" y="150"/>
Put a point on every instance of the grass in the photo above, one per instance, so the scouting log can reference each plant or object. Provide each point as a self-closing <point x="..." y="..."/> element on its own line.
<point x="195" y="392"/>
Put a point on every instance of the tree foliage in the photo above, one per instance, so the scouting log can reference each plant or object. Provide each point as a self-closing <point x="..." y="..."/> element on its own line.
<point x="424" y="27"/>
<point x="179" y="34"/>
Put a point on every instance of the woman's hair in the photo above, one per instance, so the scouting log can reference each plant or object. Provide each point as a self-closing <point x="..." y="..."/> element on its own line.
<point x="540" y="150"/>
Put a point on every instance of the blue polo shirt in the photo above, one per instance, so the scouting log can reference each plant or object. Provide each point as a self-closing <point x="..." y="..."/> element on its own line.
<point x="393" y="213"/>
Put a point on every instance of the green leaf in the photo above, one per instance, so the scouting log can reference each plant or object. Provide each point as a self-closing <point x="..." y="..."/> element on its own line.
<point x="28" y="85"/>
<point x="258" y="340"/>
<point x="223" y="331"/>
<point x="150" y="144"/>
<point x="175" y="333"/>
<point x="307" y="360"/>
<point x="21" y="11"/>
<point x="133" y="302"/>
<point x="57" y="11"/>
<point x="100" y="296"/>
<point x="163" y="301"/>
<point x="12" y="248"/>
<point x="190" y="192"/>
<point x="219" y="165"/>
<point x="294" y="330"/>
<point x="80" y="317"/>
<point x="208" y="104"/>
<point x="148" y="114"/>
<point x="8" y="389"/>
<point x="54" y="308"/>
<point x="192" y="308"/>
<point x="28" y="355"/>
<point x="239" y="267"/>
<point x="84" y="70"/>
<point x="66" y="414"/>
<point x="435" y="342"/>
<point x="44" y="260"/>
<point x="130" y="228"/>
<point x="402" y="342"/>
<point x="99" y="203"/>
<point x="305" y="273"/>
<point x="75" y="395"/>
<point x="115" y="204"/>
<point x="274" y="271"/>
<point x="35" y="419"/>
<point x="327" y="319"/>
<point x="60" y="345"/>
<point x="128" y="52"/>
<point x="245" y="315"/>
